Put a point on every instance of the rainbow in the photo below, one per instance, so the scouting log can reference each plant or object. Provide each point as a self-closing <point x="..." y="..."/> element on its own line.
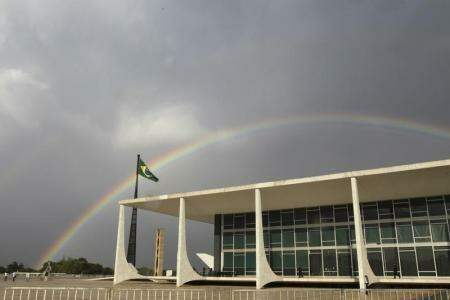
<point x="223" y="135"/>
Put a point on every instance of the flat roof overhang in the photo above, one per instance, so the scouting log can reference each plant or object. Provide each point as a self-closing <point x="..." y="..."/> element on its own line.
<point x="405" y="181"/>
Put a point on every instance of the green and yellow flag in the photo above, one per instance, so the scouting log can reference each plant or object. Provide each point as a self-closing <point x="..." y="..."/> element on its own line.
<point x="144" y="171"/>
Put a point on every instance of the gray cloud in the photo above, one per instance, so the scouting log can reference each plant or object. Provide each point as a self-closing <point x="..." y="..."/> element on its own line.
<point x="81" y="83"/>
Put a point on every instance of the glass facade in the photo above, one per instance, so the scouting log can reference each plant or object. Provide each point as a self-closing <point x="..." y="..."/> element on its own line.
<point x="408" y="235"/>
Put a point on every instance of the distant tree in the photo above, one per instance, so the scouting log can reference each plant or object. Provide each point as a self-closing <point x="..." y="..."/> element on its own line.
<point x="80" y="265"/>
<point x="14" y="267"/>
<point x="145" y="271"/>
<point x="2" y="270"/>
<point x="67" y="265"/>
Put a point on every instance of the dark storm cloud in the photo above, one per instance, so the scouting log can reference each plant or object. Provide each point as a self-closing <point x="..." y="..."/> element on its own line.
<point x="85" y="85"/>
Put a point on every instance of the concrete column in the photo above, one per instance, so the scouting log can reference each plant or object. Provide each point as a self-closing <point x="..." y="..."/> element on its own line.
<point x="122" y="269"/>
<point x="365" y="272"/>
<point x="264" y="273"/>
<point x="185" y="272"/>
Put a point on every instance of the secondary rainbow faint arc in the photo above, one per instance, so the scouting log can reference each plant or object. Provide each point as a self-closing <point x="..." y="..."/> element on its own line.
<point x="222" y="135"/>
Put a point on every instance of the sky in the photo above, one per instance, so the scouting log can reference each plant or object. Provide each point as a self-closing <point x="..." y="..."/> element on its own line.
<point x="86" y="85"/>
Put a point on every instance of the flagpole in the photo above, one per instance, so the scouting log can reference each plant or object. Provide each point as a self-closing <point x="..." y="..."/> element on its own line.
<point x="137" y="177"/>
<point x="131" y="253"/>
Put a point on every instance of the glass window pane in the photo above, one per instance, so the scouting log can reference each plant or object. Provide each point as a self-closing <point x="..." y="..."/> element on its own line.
<point x="352" y="234"/>
<point x="342" y="236"/>
<point x="340" y="213"/>
<point x="288" y="263"/>
<point x="228" y="261"/>
<point x="375" y="261"/>
<point x="287" y="217"/>
<point x="250" y="262"/>
<point x="404" y="232"/>
<point x="386" y="210"/>
<point x="370" y="211"/>
<point x="447" y="204"/>
<point x="387" y="232"/>
<point x="390" y="256"/>
<point x="302" y="261"/>
<point x="421" y="231"/>
<point x="250" y="239"/>
<point x="275" y="238"/>
<point x="315" y="262"/>
<point x="250" y="220"/>
<point x="354" y="263"/>
<point x="314" y="237"/>
<point x="350" y="212"/>
<point x="402" y="210"/>
<point x="408" y="263"/>
<point x="436" y="206"/>
<point x="344" y="264"/>
<point x="425" y="258"/>
<point x="372" y="234"/>
<point x="265" y="218"/>
<point x="443" y="262"/>
<point x="274" y="218"/>
<point x="239" y="260"/>
<point x="328" y="236"/>
<point x="239" y="221"/>
<point x="439" y="231"/>
<point x="300" y="215"/>
<point x="288" y="238"/>
<point x="418" y="207"/>
<point x="275" y="261"/>
<point x="239" y="241"/>
<point x="313" y="216"/>
<point x="228" y="221"/>
<point x="266" y="237"/>
<point x="228" y="240"/>
<point x="329" y="262"/>
<point x="326" y="214"/>
<point x="301" y="238"/>
<point x="239" y="263"/>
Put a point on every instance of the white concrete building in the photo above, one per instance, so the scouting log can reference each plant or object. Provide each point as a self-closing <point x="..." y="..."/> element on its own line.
<point x="360" y="227"/>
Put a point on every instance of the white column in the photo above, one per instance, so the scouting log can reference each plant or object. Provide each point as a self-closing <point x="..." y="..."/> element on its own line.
<point x="364" y="270"/>
<point x="264" y="273"/>
<point x="122" y="269"/>
<point x="185" y="272"/>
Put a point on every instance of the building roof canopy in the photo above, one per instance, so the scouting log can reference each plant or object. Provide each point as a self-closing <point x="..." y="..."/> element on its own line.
<point x="399" y="182"/>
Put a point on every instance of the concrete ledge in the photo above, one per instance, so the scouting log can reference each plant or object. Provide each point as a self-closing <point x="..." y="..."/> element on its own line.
<point x="415" y="280"/>
<point x="230" y="279"/>
<point x="321" y="279"/>
<point x="169" y="278"/>
<point x="311" y="279"/>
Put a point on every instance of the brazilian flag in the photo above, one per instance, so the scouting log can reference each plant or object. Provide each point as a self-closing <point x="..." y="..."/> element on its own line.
<point x="144" y="171"/>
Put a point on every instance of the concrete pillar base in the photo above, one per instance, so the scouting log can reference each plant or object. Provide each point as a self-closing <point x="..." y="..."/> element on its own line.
<point x="185" y="272"/>
<point x="366" y="275"/>
<point x="264" y="273"/>
<point x="122" y="269"/>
